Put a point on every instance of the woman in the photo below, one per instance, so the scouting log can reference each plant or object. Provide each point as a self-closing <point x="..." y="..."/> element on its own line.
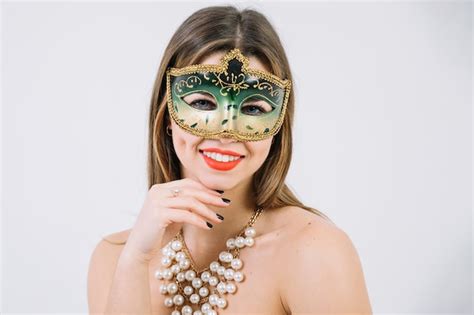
<point x="219" y="231"/>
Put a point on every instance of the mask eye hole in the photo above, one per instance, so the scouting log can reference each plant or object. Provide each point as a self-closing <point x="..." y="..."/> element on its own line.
<point x="255" y="106"/>
<point x="200" y="101"/>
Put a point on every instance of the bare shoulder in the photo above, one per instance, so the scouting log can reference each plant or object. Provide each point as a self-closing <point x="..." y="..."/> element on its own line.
<point x="308" y="224"/>
<point x="107" y="250"/>
<point x="296" y="221"/>
<point x="325" y="263"/>
<point x="117" y="238"/>
<point x="102" y="264"/>
<point x="322" y="241"/>
<point x="310" y="231"/>
<point x="306" y="230"/>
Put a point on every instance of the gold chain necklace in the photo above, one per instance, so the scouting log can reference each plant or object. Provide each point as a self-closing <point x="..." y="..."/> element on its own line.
<point x="204" y="289"/>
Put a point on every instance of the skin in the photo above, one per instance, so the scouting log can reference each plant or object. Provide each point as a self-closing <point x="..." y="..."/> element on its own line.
<point x="300" y="263"/>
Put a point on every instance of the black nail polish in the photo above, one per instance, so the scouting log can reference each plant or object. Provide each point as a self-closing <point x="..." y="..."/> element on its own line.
<point x="219" y="191"/>
<point x="219" y="216"/>
<point x="209" y="224"/>
<point x="226" y="200"/>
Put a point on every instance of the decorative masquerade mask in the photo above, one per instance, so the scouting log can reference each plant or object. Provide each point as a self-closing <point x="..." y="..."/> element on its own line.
<point x="227" y="100"/>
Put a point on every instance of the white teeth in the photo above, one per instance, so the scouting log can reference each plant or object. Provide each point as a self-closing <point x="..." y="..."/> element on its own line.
<point x="221" y="157"/>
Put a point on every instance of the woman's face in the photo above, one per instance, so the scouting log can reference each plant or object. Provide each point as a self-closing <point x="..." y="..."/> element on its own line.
<point x="193" y="151"/>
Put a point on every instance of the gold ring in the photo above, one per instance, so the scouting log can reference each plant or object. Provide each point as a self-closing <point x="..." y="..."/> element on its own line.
<point x="175" y="192"/>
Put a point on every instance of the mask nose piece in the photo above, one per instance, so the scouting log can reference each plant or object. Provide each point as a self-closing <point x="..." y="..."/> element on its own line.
<point x="230" y="117"/>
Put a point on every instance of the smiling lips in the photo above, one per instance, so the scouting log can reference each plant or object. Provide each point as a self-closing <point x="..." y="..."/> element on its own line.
<point x="222" y="160"/>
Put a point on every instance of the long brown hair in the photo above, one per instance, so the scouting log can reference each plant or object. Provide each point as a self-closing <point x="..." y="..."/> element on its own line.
<point x="216" y="29"/>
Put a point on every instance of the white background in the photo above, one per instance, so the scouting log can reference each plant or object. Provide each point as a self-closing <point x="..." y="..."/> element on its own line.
<point x="382" y="139"/>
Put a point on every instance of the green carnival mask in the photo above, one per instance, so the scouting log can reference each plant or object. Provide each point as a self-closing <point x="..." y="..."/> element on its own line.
<point x="232" y="92"/>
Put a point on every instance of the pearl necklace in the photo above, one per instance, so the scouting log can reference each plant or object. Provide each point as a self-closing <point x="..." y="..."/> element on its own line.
<point x="206" y="287"/>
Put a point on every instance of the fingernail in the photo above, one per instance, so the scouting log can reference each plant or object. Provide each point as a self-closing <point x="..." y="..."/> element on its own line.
<point x="219" y="191"/>
<point x="209" y="224"/>
<point x="219" y="216"/>
<point x="226" y="200"/>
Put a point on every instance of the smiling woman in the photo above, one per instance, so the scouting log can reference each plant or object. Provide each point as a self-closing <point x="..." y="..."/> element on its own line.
<point x="220" y="124"/>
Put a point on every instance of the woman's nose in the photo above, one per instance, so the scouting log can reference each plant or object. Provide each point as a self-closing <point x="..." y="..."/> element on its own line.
<point x="227" y="140"/>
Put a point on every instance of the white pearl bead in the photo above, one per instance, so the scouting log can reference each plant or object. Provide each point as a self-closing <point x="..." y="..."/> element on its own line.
<point x="176" y="245"/>
<point x="214" y="265"/>
<point x="180" y="256"/>
<point x="163" y="289"/>
<point x="194" y="298"/>
<point x="249" y="241"/>
<point x="223" y="256"/>
<point x="172" y="288"/>
<point x="184" y="264"/>
<point x="211" y="312"/>
<point x="175" y="269"/>
<point x="229" y="257"/>
<point x="221" y="302"/>
<point x="165" y="250"/>
<point x="250" y="231"/>
<point x="167" y="274"/>
<point x="230" y="243"/>
<point x="158" y="274"/>
<point x="197" y="283"/>
<point x="213" y="281"/>
<point x="221" y="288"/>
<point x="213" y="299"/>
<point x="198" y="313"/>
<point x="205" y="276"/>
<point x="175" y="312"/>
<point x="236" y="263"/>
<point x="203" y="291"/>
<point x="166" y="261"/>
<point x="230" y="287"/>
<point x="180" y="277"/>
<point x="186" y="310"/>
<point x="206" y="307"/>
<point x="178" y="299"/>
<point x="221" y="270"/>
<point x="190" y="275"/>
<point x="188" y="290"/>
<point x="168" y="302"/>
<point x="229" y="274"/>
<point x="238" y="276"/>
<point x="240" y="242"/>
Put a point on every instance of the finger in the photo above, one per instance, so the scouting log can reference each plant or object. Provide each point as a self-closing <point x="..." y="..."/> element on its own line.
<point x="178" y="215"/>
<point x="204" y="197"/>
<point x="192" y="204"/>
<point x="189" y="182"/>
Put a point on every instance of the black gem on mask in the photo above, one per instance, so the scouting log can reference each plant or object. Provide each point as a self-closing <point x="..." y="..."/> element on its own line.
<point x="235" y="67"/>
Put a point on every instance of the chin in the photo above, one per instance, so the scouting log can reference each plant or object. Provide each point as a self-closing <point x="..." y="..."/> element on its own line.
<point x="218" y="182"/>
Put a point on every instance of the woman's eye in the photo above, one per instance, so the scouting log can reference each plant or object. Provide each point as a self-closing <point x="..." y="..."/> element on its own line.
<point x="202" y="104"/>
<point x="254" y="110"/>
<point x="200" y="101"/>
